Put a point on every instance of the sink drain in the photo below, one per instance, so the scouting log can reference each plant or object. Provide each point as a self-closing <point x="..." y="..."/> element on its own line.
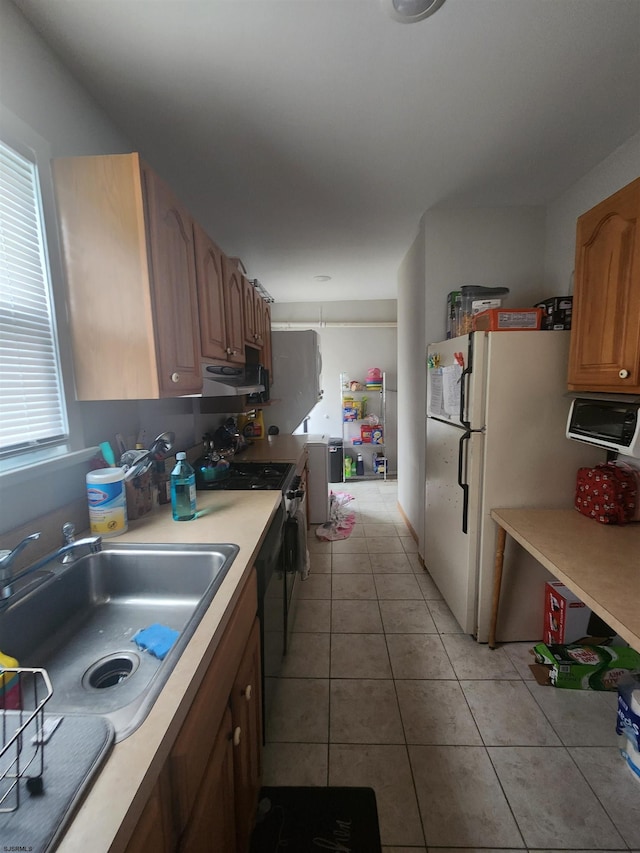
<point x="111" y="670"/>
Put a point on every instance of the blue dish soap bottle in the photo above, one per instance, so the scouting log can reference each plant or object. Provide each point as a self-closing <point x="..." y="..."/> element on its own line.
<point x="183" y="490"/>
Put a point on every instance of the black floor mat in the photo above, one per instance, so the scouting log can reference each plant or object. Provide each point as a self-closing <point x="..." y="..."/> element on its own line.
<point x="308" y="820"/>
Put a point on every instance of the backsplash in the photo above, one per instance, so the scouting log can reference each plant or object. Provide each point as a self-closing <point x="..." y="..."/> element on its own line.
<point x="50" y="526"/>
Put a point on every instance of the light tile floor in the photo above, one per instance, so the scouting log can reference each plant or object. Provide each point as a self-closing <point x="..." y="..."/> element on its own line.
<point x="463" y="748"/>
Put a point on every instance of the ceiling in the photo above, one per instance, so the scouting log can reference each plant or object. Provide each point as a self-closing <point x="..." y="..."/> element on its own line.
<point x="309" y="136"/>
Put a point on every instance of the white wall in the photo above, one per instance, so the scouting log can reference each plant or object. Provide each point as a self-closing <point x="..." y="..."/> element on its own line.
<point x="618" y="169"/>
<point x="530" y="250"/>
<point x="499" y="247"/>
<point x="412" y="384"/>
<point x="350" y="349"/>
<point x="491" y="247"/>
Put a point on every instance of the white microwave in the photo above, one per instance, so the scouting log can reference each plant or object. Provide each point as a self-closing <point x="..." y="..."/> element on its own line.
<point x="610" y="422"/>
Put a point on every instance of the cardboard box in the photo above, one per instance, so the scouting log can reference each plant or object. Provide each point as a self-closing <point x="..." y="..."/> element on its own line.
<point x="508" y="320"/>
<point x="556" y="312"/>
<point x="376" y="435"/>
<point x="379" y="464"/>
<point x="365" y="434"/>
<point x="579" y="666"/>
<point x="351" y="410"/>
<point x="568" y="620"/>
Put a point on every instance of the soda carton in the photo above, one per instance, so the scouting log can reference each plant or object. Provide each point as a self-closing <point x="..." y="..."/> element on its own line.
<point x="584" y="667"/>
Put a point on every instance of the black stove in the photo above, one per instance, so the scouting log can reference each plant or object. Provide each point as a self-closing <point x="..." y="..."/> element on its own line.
<point x="251" y="476"/>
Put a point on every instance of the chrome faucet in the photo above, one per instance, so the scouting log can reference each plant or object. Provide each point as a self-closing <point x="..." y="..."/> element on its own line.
<point x="7" y="558"/>
<point x="7" y="578"/>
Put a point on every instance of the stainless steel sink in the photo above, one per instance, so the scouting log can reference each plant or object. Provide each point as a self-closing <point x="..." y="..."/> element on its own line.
<point x="78" y="624"/>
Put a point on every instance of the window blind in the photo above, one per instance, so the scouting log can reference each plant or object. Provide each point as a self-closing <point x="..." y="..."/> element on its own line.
<point x="32" y="412"/>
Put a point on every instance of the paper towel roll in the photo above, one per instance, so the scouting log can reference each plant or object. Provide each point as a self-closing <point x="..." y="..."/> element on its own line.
<point x="635" y="702"/>
<point x="633" y="757"/>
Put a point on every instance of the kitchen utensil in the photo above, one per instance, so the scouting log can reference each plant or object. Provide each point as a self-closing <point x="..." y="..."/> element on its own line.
<point x="121" y="443"/>
<point x="162" y="445"/>
<point x="158" y="450"/>
<point x="130" y="457"/>
<point x="107" y="454"/>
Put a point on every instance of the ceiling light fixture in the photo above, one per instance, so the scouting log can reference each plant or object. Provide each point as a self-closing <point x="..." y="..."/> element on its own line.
<point x="410" y="11"/>
<point x="322" y="278"/>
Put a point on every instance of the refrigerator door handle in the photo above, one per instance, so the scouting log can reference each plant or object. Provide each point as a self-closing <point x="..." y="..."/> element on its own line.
<point x="464" y="383"/>
<point x="463" y="485"/>
<point x="463" y="386"/>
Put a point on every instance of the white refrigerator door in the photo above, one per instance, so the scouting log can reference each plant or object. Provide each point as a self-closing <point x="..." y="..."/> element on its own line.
<point x="318" y="480"/>
<point x="528" y="462"/>
<point x="450" y="554"/>
<point x="455" y="385"/>
<point x="295" y="388"/>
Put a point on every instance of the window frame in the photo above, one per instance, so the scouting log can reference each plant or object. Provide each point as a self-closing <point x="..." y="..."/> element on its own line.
<point x="26" y="141"/>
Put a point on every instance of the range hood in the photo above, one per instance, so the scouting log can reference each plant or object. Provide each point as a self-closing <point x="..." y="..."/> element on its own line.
<point x="227" y="380"/>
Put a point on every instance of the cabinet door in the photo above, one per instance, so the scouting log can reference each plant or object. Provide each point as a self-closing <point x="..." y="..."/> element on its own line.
<point x="234" y="315"/>
<point x="212" y="826"/>
<point x="258" y="319"/>
<point x="246" y="712"/>
<point x="605" y="335"/>
<point x="174" y="293"/>
<point x="103" y="230"/>
<point x="209" y="276"/>
<point x="250" y="335"/>
<point x="154" y="831"/>
<point x="265" y="358"/>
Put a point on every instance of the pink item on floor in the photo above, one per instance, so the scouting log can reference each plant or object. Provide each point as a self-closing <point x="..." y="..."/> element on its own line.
<point x="340" y="522"/>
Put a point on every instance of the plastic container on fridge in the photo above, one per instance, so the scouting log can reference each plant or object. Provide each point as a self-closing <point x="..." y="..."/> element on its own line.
<point x="473" y="300"/>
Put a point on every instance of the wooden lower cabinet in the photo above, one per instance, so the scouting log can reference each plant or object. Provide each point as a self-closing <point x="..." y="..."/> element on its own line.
<point x="212" y="824"/>
<point x="210" y="783"/>
<point x="154" y="832"/>
<point x="246" y="713"/>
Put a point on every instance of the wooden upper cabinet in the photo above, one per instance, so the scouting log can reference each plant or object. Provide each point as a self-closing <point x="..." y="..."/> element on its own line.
<point x="210" y="278"/>
<point x="249" y="294"/>
<point x="258" y="319"/>
<point x="234" y="311"/>
<point x="174" y="291"/>
<point x="605" y="335"/>
<point x="265" y="357"/>
<point x="130" y="269"/>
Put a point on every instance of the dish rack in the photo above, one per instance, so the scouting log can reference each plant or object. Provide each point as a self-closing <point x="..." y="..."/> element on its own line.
<point x="23" y="694"/>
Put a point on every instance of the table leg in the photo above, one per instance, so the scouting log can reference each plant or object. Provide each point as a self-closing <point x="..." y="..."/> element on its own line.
<point x="497" y="583"/>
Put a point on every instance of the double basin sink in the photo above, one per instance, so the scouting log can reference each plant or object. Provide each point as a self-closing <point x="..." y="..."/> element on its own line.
<point x="79" y="620"/>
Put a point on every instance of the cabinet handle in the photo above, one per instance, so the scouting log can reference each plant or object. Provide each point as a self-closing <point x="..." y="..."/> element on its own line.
<point x="247" y="692"/>
<point x="236" y="736"/>
<point x="175" y="377"/>
<point x="623" y="374"/>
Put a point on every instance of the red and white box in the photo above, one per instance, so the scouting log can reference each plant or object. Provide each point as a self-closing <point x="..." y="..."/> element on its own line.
<point x="567" y="619"/>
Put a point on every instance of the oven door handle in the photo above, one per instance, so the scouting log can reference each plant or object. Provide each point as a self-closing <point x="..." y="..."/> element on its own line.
<point x="290" y="544"/>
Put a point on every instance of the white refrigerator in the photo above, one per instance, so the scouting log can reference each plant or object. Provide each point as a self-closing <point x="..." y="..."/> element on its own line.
<point x="496" y="418"/>
<point x="296" y="378"/>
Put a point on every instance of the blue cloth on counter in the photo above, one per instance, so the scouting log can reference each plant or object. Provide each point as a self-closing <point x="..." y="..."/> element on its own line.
<point x="156" y="639"/>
